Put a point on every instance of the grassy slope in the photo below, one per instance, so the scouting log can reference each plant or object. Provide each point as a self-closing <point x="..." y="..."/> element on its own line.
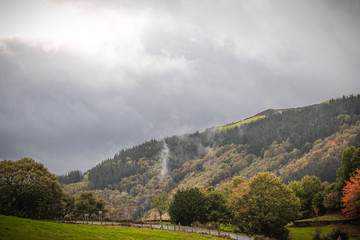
<point x="18" y="228"/>
<point x="303" y="233"/>
<point x="307" y="233"/>
<point x="248" y="120"/>
<point x="325" y="218"/>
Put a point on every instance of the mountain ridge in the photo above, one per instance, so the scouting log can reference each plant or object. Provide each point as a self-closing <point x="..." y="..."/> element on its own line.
<point x="289" y="142"/>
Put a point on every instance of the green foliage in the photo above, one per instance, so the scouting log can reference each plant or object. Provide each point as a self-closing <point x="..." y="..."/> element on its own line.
<point x="28" y="189"/>
<point x="332" y="196"/>
<point x="310" y="192"/>
<point x="70" y="177"/>
<point x="87" y="203"/>
<point x="265" y="207"/>
<point x="187" y="207"/>
<point x="217" y="207"/>
<point x="335" y="234"/>
<point x="350" y="161"/>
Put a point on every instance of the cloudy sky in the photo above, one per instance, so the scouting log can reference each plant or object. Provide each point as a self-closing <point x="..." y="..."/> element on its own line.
<point x="82" y="79"/>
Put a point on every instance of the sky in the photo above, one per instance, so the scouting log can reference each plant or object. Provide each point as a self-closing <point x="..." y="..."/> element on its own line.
<point x="82" y="79"/>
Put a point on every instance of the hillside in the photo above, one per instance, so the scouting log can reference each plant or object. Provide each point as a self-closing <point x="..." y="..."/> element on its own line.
<point x="289" y="142"/>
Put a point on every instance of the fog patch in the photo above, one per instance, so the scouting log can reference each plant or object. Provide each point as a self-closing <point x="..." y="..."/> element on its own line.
<point x="164" y="159"/>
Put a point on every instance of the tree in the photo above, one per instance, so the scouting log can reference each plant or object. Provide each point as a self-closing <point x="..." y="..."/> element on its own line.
<point x="71" y="177"/>
<point x="332" y="198"/>
<point x="217" y="206"/>
<point x="160" y="202"/>
<point x="87" y="203"/>
<point x="69" y="204"/>
<point x="28" y="189"/>
<point x="310" y="192"/>
<point x="265" y="206"/>
<point x="187" y="207"/>
<point x="350" y="161"/>
<point x="351" y="196"/>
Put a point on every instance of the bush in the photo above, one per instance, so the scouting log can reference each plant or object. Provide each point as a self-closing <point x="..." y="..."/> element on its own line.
<point x="334" y="235"/>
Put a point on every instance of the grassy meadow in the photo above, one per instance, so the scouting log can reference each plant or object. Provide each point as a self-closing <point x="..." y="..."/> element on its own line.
<point x="307" y="233"/>
<point x="18" y="228"/>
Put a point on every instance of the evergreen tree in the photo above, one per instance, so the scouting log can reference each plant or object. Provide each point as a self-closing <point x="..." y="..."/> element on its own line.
<point x="187" y="207"/>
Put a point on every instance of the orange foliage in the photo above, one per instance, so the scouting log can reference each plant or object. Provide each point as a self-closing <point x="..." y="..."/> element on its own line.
<point x="351" y="198"/>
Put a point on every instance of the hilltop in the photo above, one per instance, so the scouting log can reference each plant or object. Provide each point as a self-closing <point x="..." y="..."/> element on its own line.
<point x="291" y="143"/>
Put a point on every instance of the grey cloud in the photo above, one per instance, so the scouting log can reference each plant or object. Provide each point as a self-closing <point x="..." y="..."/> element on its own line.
<point x="202" y="65"/>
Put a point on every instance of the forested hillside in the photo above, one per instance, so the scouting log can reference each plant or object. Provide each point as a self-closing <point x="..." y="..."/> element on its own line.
<point x="289" y="142"/>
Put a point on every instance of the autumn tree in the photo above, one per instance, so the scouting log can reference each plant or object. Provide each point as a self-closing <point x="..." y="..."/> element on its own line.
<point x="187" y="207"/>
<point x="351" y="196"/>
<point x="28" y="189"/>
<point x="265" y="206"/>
<point x="160" y="202"/>
<point x="69" y="205"/>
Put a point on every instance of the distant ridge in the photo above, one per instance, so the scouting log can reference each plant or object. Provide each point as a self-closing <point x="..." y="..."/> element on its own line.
<point x="300" y="141"/>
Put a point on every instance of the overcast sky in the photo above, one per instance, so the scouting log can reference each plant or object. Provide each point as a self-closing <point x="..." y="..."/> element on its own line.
<point x="80" y="80"/>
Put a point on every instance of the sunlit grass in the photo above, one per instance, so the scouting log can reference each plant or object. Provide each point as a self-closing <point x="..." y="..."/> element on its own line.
<point x="304" y="233"/>
<point x="248" y="120"/>
<point x="325" y="218"/>
<point x="18" y="228"/>
<point x="307" y="233"/>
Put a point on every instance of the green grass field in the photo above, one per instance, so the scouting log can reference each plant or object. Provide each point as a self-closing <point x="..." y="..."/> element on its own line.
<point x="307" y="233"/>
<point x="19" y="228"/>
<point x="303" y="233"/>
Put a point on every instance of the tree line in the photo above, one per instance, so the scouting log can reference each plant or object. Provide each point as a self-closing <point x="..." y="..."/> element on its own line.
<point x="264" y="205"/>
<point x="29" y="190"/>
<point x="73" y="176"/>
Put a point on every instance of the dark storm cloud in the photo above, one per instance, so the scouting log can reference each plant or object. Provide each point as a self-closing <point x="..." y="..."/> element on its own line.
<point x="191" y="67"/>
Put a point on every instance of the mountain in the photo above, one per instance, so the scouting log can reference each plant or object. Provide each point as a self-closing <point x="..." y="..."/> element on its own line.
<point x="291" y="143"/>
